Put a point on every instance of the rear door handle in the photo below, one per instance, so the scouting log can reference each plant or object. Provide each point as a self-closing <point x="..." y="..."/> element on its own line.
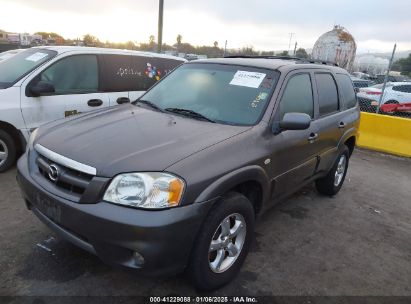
<point x="122" y="100"/>
<point x="341" y="125"/>
<point x="94" y="102"/>
<point x="312" y="137"/>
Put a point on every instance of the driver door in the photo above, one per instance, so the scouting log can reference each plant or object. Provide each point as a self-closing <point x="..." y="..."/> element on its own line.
<point x="76" y="82"/>
<point x="294" y="152"/>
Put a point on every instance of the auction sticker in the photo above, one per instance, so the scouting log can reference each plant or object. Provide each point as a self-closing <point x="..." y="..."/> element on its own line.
<point x="247" y="79"/>
<point x="36" y="56"/>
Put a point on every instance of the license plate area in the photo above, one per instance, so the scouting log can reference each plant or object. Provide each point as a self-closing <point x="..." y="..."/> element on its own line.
<point x="47" y="207"/>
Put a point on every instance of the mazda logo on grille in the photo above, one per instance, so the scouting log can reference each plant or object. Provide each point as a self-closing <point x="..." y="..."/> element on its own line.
<point x="53" y="172"/>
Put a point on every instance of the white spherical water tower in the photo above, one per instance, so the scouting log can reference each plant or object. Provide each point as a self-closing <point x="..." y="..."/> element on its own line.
<point x="336" y="46"/>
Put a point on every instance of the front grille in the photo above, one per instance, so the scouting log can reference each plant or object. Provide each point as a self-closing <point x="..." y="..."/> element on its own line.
<point x="68" y="180"/>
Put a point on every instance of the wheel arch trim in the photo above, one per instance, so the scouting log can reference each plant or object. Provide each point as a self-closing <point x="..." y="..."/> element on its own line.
<point x="222" y="185"/>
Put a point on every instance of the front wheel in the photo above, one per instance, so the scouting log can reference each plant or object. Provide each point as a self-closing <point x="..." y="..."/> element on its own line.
<point x="223" y="242"/>
<point x="333" y="181"/>
<point x="7" y="151"/>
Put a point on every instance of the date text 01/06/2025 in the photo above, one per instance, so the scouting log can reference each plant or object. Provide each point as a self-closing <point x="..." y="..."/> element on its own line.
<point x="202" y="299"/>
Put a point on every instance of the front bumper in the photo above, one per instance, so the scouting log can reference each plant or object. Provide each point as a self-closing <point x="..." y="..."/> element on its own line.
<point x="115" y="233"/>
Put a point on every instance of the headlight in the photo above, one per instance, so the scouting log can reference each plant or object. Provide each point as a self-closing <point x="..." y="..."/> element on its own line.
<point x="151" y="190"/>
<point x="31" y="140"/>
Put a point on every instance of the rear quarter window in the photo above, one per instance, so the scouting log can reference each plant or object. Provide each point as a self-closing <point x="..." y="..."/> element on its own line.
<point x="347" y="90"/>
<point x="402" y="88"/>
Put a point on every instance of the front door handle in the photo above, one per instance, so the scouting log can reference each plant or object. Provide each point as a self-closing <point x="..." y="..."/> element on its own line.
<point x="312" y="137"/>
<point x="122" y="100"/>
<point x="341" y="125"/>
<point x="94" y="102"/>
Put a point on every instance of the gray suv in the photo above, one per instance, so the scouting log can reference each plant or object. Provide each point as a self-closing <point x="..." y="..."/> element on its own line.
<point x="176" y="180"/>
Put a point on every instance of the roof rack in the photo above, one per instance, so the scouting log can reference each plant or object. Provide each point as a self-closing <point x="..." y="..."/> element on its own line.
<point x="299" y="60"/>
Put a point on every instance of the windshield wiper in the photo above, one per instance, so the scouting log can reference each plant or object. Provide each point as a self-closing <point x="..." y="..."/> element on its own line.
<point x="150" y="104"/>
<point x="189" y="113"/>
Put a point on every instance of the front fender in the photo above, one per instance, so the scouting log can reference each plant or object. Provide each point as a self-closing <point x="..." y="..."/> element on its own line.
<point x="230" y="180"/>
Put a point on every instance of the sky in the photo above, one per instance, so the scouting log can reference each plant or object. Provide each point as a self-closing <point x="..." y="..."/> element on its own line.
<point x="264" y="24"/>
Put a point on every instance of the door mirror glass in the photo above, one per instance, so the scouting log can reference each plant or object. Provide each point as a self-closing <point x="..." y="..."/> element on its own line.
<point x="42" y="88"/>
<point x="295" y="121"/>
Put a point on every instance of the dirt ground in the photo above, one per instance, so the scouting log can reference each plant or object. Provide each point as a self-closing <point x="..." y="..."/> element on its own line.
<point x="356" y="243"/>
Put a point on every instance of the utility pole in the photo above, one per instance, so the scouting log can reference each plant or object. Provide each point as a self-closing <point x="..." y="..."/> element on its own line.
<point x="386" y="78"/>
<point x="160" y="25"/>
<point x="225" y="48"/>
<point x="295" y="48"/>
<point x="289" y="44"/>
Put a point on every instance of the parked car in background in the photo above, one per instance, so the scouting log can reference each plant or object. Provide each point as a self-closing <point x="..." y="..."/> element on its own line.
<point x="8" y="54"/>
<point x="177" y="179"/>
<point x="395" y="93"/>
<point x="379" y="79"/>
<point x="43" y="84"/>
<point x="361" y="83"/>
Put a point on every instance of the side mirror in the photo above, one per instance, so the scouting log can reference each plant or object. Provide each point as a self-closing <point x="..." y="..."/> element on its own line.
<point x="357" y="90"/>
<point x="295" y="121"/>
<point x="42" y="88"/>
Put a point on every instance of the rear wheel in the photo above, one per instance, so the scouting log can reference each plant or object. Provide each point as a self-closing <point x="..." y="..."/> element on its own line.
<point x="333" y="181"/>
<point x="223" y="242"/>
<point x="7" y="151"/>
<point x="392" y="102"/>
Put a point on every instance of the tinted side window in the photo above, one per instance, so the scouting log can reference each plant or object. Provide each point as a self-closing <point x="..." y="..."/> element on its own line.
<point x="73" y="75"/>
<point x="119" y="73"/>
<point x="298" y="96"/>
<point x="167" y="65"/>
<point x="133" y="73"/>
<point x="402" y="88"/>
<point x="327" y="93"/>
<point x="347" y="90"/>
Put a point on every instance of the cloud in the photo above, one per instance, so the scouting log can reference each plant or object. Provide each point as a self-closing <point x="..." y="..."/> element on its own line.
<point x="266" y="24"/>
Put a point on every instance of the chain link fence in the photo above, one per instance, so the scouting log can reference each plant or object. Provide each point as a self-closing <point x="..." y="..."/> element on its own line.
<point x="395" y="100"/>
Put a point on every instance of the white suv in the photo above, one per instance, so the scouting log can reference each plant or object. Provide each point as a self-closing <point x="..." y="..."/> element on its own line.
<point x="395" y="93"/>
<point x="43" y="84"/>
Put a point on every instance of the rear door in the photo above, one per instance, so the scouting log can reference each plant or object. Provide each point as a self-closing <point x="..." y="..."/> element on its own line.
<point x="76" y="82"/>
<point x="329" y="122"/>
<point x="116" y="77"/>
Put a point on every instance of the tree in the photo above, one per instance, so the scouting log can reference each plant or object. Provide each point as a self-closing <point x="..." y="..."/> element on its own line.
<point x="284" y="53"/>
<point x="151" y="40"/>
<point x="301" y="53"/>
<point x="216" y="44"/>
<point x="403" y="65"/>
<point x="46" y="35"/>
<point x="90" y="40"/>
<point x="248" y="51"/>
<point x="179" y="39"/>
<point x="267" y="53"/>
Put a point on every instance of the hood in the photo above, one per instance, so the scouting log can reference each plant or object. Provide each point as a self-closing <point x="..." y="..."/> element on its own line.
<point x="131" y="138"/>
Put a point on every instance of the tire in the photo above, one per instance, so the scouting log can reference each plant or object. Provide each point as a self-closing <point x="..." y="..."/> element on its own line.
<point x="331" y="184"/>
<point x="203" y="267"/>
<point x="7" y="151"/>
<point x="391" y="102"/>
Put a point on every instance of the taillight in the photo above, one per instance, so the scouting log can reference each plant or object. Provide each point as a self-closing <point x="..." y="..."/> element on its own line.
<point x="373" y="93"/>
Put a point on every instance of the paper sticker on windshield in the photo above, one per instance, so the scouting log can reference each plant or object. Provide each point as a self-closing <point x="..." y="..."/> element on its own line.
<point x="247" y="79"/>
<point x="36" y="56"/>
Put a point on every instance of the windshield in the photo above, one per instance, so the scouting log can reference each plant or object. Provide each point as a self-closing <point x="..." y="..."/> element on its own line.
<point x="226" y="94"/>
<point x="14" y="68"/>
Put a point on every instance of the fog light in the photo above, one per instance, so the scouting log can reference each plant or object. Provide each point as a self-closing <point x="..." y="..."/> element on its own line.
<point x="138" y="259"/>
